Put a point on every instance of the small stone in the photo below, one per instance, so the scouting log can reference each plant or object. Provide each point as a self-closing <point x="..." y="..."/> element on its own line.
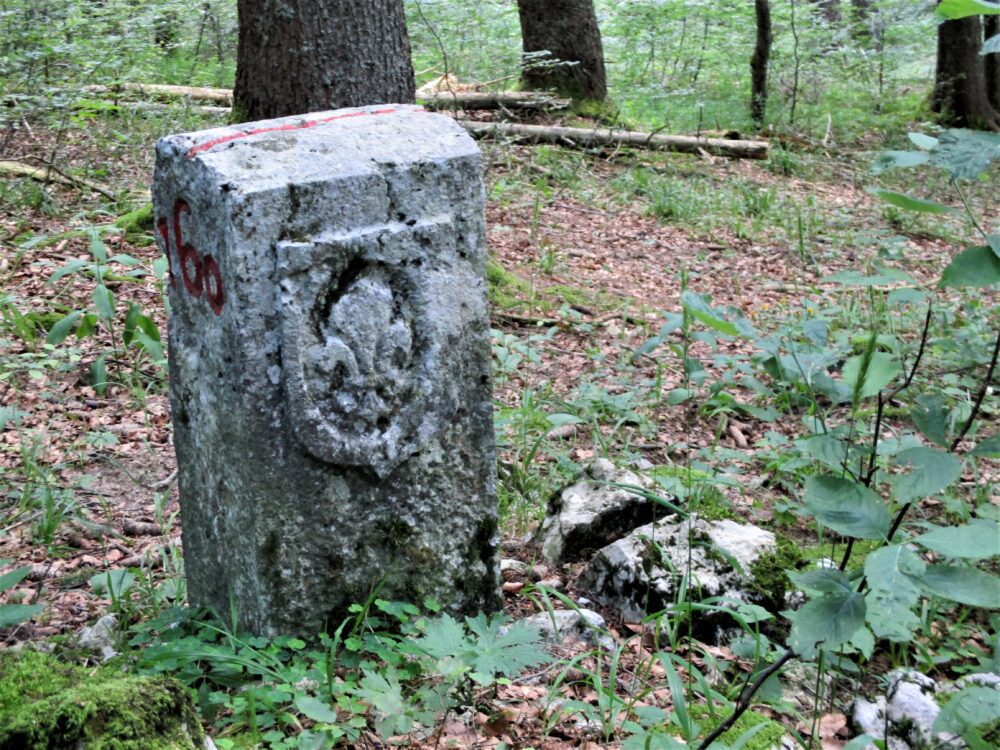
<point x="553" y="583"/>
<point x="509" y="566"/>
<point x="100" y="637"/>
<point x="640" y="573"/>
<point x="539" y="572"/>
<point x="591" y="513"/>
<point x="513" y="587"/>
<point x="561" y="625"/>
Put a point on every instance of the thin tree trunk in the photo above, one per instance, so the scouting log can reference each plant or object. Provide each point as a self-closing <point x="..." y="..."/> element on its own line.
<point x="960" y="97"/>
<point x="758" y="63"/>
<point x="991" y="63"/>
<point x="299" y="56"/>
<point x="566" y="33"/>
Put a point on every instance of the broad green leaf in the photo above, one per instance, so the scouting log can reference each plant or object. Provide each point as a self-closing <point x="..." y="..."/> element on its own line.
<point x="932" y="471"/>
<point x="443" y="637"/>
<point x="846" y="507"/>
<point x="901" y="200"/>
<point x="560" y="420"/>
<point x="907" y="296"/>
<point x="97" y="247"/>
<point x="822" y="581"/>
<point x="697" y="305"/>
<point x="14" y="577"/>
<point x="99" y="374"/>
<point x="893" y="575"/>
<point x="972" y="706"/>
<point x="12" y="614"/>
<point x="113" y="583"/>
<point x="922" y="141"/>
<point x="88" y="324"/>
<point x="931" y="417"/>
<point x="975" y="266"/>
<point x="507" y="653"/>
<point x="962" y="584"/>
<point x="993" y="240"/>
<point x="966" y="154"/>
<point x="973" y="541"/>
<point x="882" y="277"/>
<point x="9" y="414"/>
<point x="63" y="328"/>
<point x="988" y="447"/>
<point x="315" y="709"/>
<point x="826" y="622"/>
<point x="882" y="370"/>
<point x="963" y="8"/>
<point x="72" y="267"/>
<point x="891" y="159"/>
<point x="125" y="260"/>
<point x="104" y="301"/>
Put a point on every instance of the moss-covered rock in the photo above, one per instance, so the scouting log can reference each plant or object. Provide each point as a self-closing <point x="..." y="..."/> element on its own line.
<point x="767" y="738"/>
<point x="137" y="222"/>
<point x="46" y="704"/>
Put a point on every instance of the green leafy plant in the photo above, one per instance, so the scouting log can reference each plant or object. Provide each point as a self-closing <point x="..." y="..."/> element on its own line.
<point x="12" y="614"/>
<point x="134" y="336"/>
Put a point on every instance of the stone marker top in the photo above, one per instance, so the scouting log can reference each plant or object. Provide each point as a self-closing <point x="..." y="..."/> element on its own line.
<point x="321" y="143"/>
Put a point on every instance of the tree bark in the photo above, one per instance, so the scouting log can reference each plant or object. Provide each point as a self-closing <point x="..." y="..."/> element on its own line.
<point x="991" y="63"/>
<point x="960" y="97"/>
<point x="758" y="63"/>
<point x="567" y="32"/>
<point x="299" y="56"/>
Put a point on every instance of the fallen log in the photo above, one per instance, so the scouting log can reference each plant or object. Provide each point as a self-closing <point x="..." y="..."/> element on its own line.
<point x="201" y="93"/>
<point x="484" y="100"/>
<point x="51" y="174"/>
<point x="589" y="137"/>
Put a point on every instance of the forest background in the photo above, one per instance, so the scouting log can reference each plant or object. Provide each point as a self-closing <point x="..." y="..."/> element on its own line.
<point x="777" y="339"/>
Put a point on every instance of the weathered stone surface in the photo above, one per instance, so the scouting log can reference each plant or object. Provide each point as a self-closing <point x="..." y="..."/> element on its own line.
<point x="329" y="364"/>
<point x="561" y="625"/>
<point x="904" y="716"/>
<point x="640" y="573"/>
<point x="100" y="637"/>
<point x="591" y="514"/>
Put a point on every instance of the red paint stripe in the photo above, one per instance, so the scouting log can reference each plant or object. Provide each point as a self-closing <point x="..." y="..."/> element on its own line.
<point x="195" y="150"/>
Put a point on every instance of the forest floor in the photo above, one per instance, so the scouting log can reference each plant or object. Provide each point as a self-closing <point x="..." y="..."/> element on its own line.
<point x="588" y="272"/>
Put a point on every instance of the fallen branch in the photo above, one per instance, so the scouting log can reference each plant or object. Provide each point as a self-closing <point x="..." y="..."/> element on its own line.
<point x="492" y="100"/>
<point x="583" y="137"/>
<point x="201" y="93"/>
<point x="51" y="174"/>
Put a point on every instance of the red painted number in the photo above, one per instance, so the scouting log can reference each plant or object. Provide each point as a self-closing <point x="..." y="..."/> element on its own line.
<point x="201" y="275"/>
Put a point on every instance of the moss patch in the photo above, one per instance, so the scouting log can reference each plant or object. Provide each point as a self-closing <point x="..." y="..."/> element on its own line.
<point x="767" y="738"/>
<point x="768" y="577"/>
<point x="46" y="704"/>
<point x="136" y="222"/>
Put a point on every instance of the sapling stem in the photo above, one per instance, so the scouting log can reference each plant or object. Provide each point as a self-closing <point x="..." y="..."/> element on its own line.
<point x="983" y="388"/>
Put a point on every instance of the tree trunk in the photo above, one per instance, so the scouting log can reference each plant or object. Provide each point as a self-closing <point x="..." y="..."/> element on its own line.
<point x="299" y="56"/>
<point x="960" y="97"/>
<point x="758" y="63"/>
<point x="565" y="31"/>
<point x="991" y="63"/>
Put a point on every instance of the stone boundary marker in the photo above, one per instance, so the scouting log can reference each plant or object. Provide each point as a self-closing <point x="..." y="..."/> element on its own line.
<point x="330" y="364"/>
